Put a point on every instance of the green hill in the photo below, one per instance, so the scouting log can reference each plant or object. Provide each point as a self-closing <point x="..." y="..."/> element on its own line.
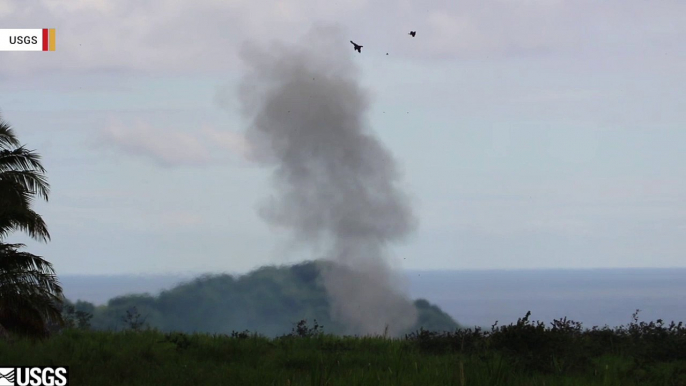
<point x="269" y="300"/>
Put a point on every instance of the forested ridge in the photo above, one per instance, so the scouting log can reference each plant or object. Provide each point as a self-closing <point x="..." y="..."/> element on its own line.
<point x="269" y="301"/>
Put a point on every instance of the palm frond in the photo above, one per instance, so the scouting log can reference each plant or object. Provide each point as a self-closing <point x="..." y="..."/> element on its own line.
<point x="20" y="158"/>
<point x="7" y="136"/>
<point x="32" y="182"/>
<point x="13" y="194"/>
<point x="25" y="269"/>
<point x="16" y="212"/>
<point x="29" y="314"/>
<point x="30" y="293"/>
<point x="23" y="219"/>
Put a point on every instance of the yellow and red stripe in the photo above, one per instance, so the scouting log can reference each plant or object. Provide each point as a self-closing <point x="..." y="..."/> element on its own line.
<point x="48" y="39"/>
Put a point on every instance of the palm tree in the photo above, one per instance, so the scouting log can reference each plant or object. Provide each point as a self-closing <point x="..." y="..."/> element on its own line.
<point x="30" y="294"/>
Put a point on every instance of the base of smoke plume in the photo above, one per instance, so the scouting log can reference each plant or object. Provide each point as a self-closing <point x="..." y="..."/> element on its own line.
<point x="366" y="298"/>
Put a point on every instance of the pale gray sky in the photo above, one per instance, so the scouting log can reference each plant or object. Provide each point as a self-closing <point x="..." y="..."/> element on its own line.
<point x="531" y="133"/>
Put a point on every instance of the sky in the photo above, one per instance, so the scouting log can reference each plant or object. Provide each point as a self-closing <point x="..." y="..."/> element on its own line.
<point x="529" y="133"/>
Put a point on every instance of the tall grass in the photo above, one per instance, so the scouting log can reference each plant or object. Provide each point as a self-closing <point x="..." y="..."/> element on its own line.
<point x="525" y="353"/>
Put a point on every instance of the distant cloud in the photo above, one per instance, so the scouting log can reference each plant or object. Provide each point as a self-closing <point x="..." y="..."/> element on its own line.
<point x="232" y="141"/>
<point x="166" y="147"/>
<point x="111" y="212"/>
<point x="172" y="147"/>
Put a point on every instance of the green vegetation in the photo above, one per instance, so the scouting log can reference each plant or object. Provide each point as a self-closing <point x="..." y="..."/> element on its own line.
<point x="30" y="294"/>
<point x="525" y="353"/>
<point x="269" y="300"/>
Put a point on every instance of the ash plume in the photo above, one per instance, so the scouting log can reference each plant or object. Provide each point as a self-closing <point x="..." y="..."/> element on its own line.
<point x="335" y="184"/>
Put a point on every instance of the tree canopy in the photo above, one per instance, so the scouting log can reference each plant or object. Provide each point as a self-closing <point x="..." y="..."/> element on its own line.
<point x="269" y="301"/>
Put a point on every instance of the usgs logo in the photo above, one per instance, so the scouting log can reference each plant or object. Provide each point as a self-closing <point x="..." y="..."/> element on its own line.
<point x="27" y="39"/>
<point x="34" y="376"/>
<point x="23" y="39"/>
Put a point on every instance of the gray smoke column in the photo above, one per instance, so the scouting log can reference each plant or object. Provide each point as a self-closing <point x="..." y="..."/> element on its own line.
<point x="336" y="185"/>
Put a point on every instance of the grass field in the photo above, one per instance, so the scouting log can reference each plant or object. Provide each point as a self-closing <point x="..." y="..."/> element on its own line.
<point x="519" y="354"/>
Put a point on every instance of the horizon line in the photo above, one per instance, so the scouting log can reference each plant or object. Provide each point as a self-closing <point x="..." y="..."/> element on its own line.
<point x="451" y="270"/>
